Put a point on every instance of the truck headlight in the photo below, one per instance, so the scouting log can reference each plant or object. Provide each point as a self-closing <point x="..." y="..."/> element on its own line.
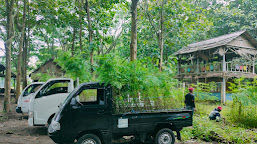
<point x="31" y="114"/>
<point x="55" y="125"/>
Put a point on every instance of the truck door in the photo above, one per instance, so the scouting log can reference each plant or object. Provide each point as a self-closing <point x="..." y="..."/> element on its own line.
<point x="91" y="113"/>
<point x="26" y="95"/>
<point x="47" y="100"/>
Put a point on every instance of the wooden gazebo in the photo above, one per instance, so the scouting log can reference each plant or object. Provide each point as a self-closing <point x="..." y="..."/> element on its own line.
<point x="219" y="59"/>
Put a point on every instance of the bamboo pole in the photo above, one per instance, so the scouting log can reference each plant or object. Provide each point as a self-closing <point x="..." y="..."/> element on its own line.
<point x="224" y="80"/>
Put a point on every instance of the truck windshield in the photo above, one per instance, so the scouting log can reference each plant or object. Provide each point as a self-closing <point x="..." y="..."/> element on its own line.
<point x="31" y="89"/>
<point x="70" y="95"/>
<point x="86" y="95"/>
<point x="54" y="87"/>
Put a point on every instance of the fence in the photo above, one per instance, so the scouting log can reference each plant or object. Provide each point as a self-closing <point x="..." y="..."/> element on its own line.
<point x="215" y="67"/>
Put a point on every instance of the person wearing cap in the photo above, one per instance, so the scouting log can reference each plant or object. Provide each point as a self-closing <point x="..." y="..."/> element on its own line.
<point x="190" y="100"/>
<point x="215" y="114"/>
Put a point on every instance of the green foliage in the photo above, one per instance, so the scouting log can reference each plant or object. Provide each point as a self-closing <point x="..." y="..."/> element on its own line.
<point x="207" y="130"/>
<point x="223" y="132"/>
<point x="230" y="16"/>
<point x="43" y="77"/>
<point x="140" y="81"/>
<point x="243" y="108"/>
<point x="75" y="66"/>
<point x="183" y="23"/>
<point x="202" y="91"/>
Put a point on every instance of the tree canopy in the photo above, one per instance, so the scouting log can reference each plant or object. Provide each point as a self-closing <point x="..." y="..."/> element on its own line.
<point x="80" y="34"/>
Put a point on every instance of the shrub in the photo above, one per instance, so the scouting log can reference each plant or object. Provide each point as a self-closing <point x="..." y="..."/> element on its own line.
<point x="243" y="108"/>
<point x="217" y="131"/>
<point x="139" y="85"/>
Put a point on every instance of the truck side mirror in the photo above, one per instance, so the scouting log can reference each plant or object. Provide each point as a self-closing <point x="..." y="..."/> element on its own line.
<point x="73" y="102"/>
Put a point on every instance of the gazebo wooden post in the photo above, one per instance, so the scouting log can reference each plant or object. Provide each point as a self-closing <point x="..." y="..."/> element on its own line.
<point x="178" y="66"/>
<point x="224" y="80"/>
<point x="197" y="72"/>
<point x="253" y="66"/>
<point x="197" y="68"/>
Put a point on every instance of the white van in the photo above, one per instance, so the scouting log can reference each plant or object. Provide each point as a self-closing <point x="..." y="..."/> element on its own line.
<point x="23" y="101"/>
<point x="44" y="103"/>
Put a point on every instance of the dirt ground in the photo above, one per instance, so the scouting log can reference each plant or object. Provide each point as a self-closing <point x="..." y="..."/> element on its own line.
<point x="14" y="129"/>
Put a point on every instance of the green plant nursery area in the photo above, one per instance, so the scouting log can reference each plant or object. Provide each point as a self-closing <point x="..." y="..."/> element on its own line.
<point x="139" y="86"/>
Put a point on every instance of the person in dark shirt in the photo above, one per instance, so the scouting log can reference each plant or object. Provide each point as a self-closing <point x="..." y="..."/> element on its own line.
<point x="190" y="100"/>
<point x="215" y="114"/>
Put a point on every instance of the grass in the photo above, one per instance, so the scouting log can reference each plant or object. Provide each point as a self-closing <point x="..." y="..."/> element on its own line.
<point x="223" y="132"/>
<point x="245" y="116"/>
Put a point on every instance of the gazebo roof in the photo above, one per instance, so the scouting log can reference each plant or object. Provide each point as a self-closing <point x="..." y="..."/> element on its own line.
<point x="216" y="42"/>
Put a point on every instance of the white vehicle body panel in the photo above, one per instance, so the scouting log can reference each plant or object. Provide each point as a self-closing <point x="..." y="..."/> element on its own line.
<point x="49" y="105"/>
<point x="23" y="101"/>
<point x="41" y="108"/>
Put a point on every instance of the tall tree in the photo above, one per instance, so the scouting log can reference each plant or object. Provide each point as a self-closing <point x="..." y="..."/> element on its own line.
<point x="80" y="24"/>
<point x="160" y="36"/>
<point x="8" y="45"/>
<point x="90" y="37"/>
<point x="233" y="16"/>
<point x="73" y="40"/>
<point x="25" y="53"/>
<point x="22" y="30"/>
<point x="133" y="44"/>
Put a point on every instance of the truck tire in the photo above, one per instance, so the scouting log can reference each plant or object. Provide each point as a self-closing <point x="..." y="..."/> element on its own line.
<point x="89" y="139"/>
<point x="165" y="136"/>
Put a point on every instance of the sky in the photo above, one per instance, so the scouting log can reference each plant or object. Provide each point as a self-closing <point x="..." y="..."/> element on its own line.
<point x="32" y="60"/>
<point x="1" y="47"/>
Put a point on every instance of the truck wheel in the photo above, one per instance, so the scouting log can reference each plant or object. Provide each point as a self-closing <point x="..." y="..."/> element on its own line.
<point x="89" y="139"/>
<point x="165" y="136"/>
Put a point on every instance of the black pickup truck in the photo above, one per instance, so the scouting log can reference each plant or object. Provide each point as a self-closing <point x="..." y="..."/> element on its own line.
<point x="87" y="117"/>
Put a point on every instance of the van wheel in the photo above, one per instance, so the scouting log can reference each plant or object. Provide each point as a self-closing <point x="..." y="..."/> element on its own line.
<point x="165" y="136"/>
<point x="89" y="139"/>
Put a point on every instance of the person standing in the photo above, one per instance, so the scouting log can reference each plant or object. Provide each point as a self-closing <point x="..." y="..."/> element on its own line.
<point x="190" y="100"/>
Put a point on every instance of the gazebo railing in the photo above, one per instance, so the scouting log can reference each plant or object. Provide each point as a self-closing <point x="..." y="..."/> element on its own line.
<point x="215" y="67"/>
<point x="237" y="67"/>
<point x="210" y="67"/>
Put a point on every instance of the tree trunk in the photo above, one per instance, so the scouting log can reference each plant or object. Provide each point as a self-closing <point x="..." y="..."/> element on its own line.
<point x="90" y="35"/>
<point x="160" y="39"/>
<point x="52" y="47"/>
<point x="73" y="41"/>
<point x="8" y="45"/>
<point x="80" y="27"/>
<point x="18" y="84"/>
<point x="24" y="62"/>
<point x="133" y="44"/>
<point x="160" y="44"/>
<point x="25" y="53"/>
